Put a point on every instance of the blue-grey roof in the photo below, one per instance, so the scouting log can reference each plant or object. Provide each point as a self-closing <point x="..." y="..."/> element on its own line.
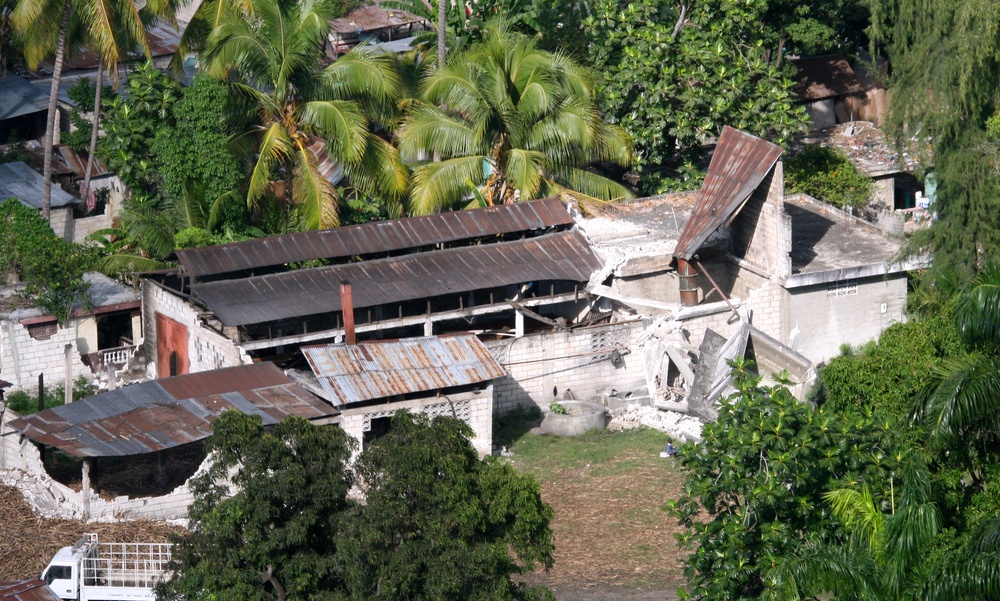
<point x="17" y="180"/>
<point x="18" y="97"/>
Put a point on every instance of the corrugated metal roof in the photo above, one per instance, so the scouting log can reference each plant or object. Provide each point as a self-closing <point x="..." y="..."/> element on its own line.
<point x="564" y="256"/>
<point x="18" y="180"/>
<point x="160" y="414"/>
<point x="18" y="97"/>
<point x="740" y="163"/>
<point x="378" y="237"/>
<point x="376" y="370"/>
<point x="369" y="18"/>
<point x="27" y="590"/>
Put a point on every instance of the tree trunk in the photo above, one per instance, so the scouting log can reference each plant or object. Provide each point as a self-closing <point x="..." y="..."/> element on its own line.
<point x="442" y="24"/>
<point x="50" y="126"/>
<point x="92" y="150"/>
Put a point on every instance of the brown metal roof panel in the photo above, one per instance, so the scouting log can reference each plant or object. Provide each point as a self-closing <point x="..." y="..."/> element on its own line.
<point x="373" y="238"/>
<point x="26" y="590"/>
<point x="243" y="377"/>
<point x="738" y="166"/>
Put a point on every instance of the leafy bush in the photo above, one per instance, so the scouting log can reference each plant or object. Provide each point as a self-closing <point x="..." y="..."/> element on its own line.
<point x="24" y="403"/>
<point x="828" y="175"/>
<point x="194" y="237"/>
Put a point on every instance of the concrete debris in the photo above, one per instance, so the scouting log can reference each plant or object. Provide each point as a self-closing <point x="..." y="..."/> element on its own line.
<point x="677" y="425"/>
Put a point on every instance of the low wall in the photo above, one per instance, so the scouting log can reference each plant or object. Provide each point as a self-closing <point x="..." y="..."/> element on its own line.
<point x="578" y="365"/>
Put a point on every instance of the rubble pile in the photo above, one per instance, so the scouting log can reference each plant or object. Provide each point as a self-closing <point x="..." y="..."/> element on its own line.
<point x="678" y="425"/>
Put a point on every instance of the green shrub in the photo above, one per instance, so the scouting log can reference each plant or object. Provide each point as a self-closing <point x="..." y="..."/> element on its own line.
<point x="828" y="175"/>
<point x="194" y="237"/>
<point x="24" y="403"/>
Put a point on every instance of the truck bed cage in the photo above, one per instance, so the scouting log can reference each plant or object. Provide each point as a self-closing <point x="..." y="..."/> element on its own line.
<point x="122" y="564"/>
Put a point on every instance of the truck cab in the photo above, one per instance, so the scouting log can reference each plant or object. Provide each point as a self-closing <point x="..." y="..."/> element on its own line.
<point x="63" y="574"/>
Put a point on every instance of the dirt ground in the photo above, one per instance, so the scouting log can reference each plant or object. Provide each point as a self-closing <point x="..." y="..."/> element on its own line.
<point x="613" y="540"/>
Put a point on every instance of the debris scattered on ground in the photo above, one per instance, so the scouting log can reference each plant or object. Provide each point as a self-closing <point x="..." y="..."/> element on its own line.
<point x="677" y="425"/>
<point x="30" y="541"/>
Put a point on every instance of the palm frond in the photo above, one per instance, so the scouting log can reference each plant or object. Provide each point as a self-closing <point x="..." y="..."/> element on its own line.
<point x="962" y="396"/>
<point x="591" y="184"/>
<point x="438" y="186"/>
<point x="856" y="510"/>
<point x="275" y="147"/>
<point x="341" y="124"/>
<point x="427" y="129"/>
<point x="315" y="197"/>
<point x="978" y="312"/>
<point x="815" y="571"/>
<point x="525" y="170"/>
<point x="380" y="172"/>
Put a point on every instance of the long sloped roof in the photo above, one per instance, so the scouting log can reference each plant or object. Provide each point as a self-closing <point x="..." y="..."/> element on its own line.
<point x="376" y="370"/>
<point x="160" y="414"/>
<point x="740" y="163"/>
<point x="18" y="180"/>
<point x="562" y="256"/>
<point x="378" y="237"/>
<point x="18" y="97"/>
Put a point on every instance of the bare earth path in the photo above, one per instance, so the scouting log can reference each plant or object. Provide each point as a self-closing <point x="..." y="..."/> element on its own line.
<point x="613" y="540"/>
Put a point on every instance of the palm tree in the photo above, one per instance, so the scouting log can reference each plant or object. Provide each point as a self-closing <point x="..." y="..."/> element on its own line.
<point x="511" y="122"/>
<point x="961" y="406"/>
<point x="48" y="27"/>
<point x="306" y="118"/>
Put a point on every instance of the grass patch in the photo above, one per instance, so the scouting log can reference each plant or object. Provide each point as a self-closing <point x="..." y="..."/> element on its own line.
<point x="606" y="490"/>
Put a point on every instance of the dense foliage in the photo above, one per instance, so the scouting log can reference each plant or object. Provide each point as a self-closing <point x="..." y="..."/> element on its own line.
<point x="51" y="268"/>
<point x="827" y="174"/>
<point x="272" y="519"/>
<point x="673" y="76"/>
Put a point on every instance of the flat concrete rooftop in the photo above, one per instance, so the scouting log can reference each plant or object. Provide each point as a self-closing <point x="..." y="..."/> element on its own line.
<point x="825" y="239"/>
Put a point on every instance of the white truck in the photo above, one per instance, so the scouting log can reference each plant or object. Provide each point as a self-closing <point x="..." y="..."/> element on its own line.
<point x="94" y="571"/>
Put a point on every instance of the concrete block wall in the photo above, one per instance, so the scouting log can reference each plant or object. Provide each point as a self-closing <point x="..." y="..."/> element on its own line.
<point x="761" y="232"/>
<point x="542" y="367"/>
<point x="768" y="306"/>
<point x="61" y="220"/>
<point x="207" y="350"/>
<point x="21" y="467"/>
<point x="23" y="356"/>
<point x="847" y="311"/>
<point x="474" y="408"/>
<point x="721" y="321"/>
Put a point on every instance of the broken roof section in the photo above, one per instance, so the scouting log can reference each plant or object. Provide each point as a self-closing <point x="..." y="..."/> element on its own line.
<point x="377" y="370"/>
<point x="377" y="237"/>
<point x="161" y="414"/>
<point x="372" y="18"/>
<point x="738" y="166"/>
<point x="561" y="256"/>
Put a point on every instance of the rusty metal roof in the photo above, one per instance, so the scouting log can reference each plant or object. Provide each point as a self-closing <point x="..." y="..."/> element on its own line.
<point x="564" y="256"/>
<point x="160" y="414"/>
<point x="376" y="370"/>
<point x="370" y="18"/>
<point x="740" y="163"/>
<point x="27" y="590"/>
<point x="378" y="237"/>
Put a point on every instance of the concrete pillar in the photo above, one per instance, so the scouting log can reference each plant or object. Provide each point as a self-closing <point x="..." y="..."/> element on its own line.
<point x="85" y="489"/>
<point x="68" y="356"/>
<point x="428" y="328"/>
<point x="518" y="324"/>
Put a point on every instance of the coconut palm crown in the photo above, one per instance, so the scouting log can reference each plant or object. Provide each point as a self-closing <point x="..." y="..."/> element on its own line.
<point x="308" y="121"/>
<point x="510" y="122"/>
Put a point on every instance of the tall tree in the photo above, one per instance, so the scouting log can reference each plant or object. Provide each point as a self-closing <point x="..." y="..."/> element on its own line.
<point x="512" y="122"/>
<point x="48" y="27"/>
<point x="438" y="523"/>
<point x="305" y="115"/>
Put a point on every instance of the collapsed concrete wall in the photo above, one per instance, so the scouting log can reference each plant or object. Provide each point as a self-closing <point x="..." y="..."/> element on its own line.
<point x="582" y="364"/>
<point x="21" y="467"/>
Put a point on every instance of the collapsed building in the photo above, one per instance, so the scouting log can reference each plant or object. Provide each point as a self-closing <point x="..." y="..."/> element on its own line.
<point x="474" y="313"/>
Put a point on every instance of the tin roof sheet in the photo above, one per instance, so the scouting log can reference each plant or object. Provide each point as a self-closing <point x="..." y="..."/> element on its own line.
<point x="740" y="163"/>
<point x="160" y="414"/>
<point x="369" y="18"/>
<point x="562" y="256"/>
<point x="375" y="370"/>
<point x="18" y="180"/>
<point x="18" y="97"/>
<point x="378" y="237"/>
<point x="27" y="590"/>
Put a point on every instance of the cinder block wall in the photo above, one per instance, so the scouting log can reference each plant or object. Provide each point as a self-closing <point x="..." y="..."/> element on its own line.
<point x="761" y="232"/>
<point x="541" y="367"/>
<point x="474" y="408"/>
<point x="207" y="350"/>
<point x="21" y="467"/>
<point x="27" y="351"/>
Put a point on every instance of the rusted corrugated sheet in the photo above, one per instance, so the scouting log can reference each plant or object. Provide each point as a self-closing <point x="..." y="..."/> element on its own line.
<point x="352" y="373"/>
<point x="740" y="163"/>
<point x="160" y="414"/>
<point x="27" y="590"/>
<point x="77" y="165"/>
<point x="371" y="238"/>
<point x="562" y="256"/>
<point x="370" y="18"/>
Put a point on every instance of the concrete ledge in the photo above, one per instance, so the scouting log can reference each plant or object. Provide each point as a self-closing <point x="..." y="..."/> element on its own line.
<point x="582" y="417"/>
